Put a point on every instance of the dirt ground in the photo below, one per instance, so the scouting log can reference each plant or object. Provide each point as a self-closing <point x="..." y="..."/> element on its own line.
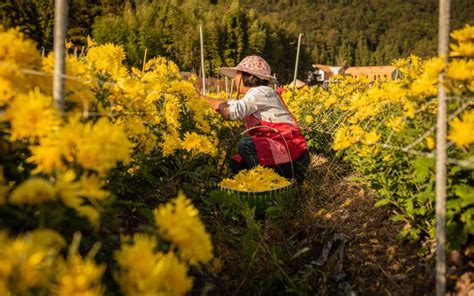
<point x="375" y="261"/>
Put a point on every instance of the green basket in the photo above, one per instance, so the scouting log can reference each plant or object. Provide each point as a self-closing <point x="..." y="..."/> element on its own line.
<point x="262" y="200"/>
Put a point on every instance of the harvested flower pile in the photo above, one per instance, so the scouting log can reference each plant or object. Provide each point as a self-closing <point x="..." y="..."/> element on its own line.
<point x="256" y="179"/>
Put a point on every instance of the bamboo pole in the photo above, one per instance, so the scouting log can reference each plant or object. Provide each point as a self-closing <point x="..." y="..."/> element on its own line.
<point x="144" y="61"/>
<point x="202" y="62"/>
<point x="441" y="155"/>
<point x="60" y="25"/>
<point x="297" y="60"/>
<point x="226" y="87"/>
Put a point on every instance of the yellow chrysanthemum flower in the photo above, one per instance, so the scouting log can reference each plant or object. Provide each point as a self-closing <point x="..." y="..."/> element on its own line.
<point x="16" y="50"/>
<point x="68" y="190"/>
<point x="136" y="263"/>
<point x="47" y="156"/>
<point x="345" y="136"/>
<point x="341" y="141"/>
<point x="92" y="187"/>
<point x="78" y="90"/>
<point x="78" y="276"/>
<point x="73" y="194"/>
<point x="102" y="146"/>
<point x="430" y="143"/>
<point x="90" y="213"/>
<point x="370" y="138"/>
<point x="7" y="91"/>
<point x="143" y="271"/>
<point x="98" y="146"/>
<point x="462" y="130"/>
<point x="396" y="123"/>
<point x="32" y="192"/>
<point x="464" y="49"/>
<point x="107" y="58"/>
<point x="32" y="115"/>
<point x="409" y="109"/>
<point x="196" y="144"/>
<point x="172" y="108"/>
<point x="173" y="275"/>
<point x="461" y="70"/>
<point x="365" y="151"/>
<point x="200" y="108"/>
<point x="171" y="143"/>
<point x="47" y="238"/>
<point x="178" y="221"/>
<point x="465" y="34"/>
<point x="26" y="262"/>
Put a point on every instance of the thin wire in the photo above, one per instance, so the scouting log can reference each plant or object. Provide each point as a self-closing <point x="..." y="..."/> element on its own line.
<point x="408" y="149"/>
<point x="78" y="79"/>
<point x="462" y="163"/>
<point x="433" y="128"/>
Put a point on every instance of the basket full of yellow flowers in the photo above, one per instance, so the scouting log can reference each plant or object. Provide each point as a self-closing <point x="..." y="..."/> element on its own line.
<point x="259" y="187"/>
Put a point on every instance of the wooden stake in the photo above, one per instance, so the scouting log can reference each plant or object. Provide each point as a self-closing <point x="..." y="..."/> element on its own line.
<point x="226" y="87"/>
<point x="144" y="61"/>
<point x="202" y="62"/>
<point x="60" y="26"/>
<point x="297" y="59"/>
<point x="441" y="155"/>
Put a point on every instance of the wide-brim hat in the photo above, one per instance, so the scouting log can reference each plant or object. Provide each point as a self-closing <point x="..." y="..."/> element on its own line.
<point x="254" y="65"/>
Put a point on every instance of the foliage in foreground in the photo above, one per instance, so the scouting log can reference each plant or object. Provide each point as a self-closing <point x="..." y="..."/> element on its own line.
<point x="66" y="174"/>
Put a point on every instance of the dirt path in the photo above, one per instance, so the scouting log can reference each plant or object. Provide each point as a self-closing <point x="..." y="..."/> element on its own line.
<point x="375" y="261"/>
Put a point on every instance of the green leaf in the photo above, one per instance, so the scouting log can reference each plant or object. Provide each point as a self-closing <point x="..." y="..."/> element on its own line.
<point x="422" y="169"/>
<point x="397" y="218"/>
<point x="273" y="212"/>
<point x="382" y="202"/>
<point x="468" y="218"/>
<point x="466" y="193"/>
<point x="147" y="214"/>
<point x="454" y="204"/>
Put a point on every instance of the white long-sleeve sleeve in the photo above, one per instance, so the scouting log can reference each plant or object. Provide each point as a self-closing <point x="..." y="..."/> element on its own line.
<point x="263" y="102"/>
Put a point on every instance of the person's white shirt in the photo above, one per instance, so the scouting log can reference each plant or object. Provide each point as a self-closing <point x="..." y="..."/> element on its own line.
<point x="263" y="102"/>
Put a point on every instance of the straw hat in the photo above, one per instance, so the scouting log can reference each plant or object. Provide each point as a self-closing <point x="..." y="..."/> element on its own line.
<point x="254" y="65"/>
<point x="299" y="83"/>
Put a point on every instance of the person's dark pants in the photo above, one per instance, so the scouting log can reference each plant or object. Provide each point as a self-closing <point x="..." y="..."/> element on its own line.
<point x="248" y="152"/>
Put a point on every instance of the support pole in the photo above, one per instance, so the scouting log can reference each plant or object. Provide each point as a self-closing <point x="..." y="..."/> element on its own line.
<point x="226" y="87"/>
<point x="60" y="25"/>
<point x="297" y="60"/>
<point x="443" y="43"/>
<point x="144" y="61"/>
<point x="202" y="62"/>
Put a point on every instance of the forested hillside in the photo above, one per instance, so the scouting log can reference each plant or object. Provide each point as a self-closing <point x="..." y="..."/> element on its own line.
<point x="357" y="32"/>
